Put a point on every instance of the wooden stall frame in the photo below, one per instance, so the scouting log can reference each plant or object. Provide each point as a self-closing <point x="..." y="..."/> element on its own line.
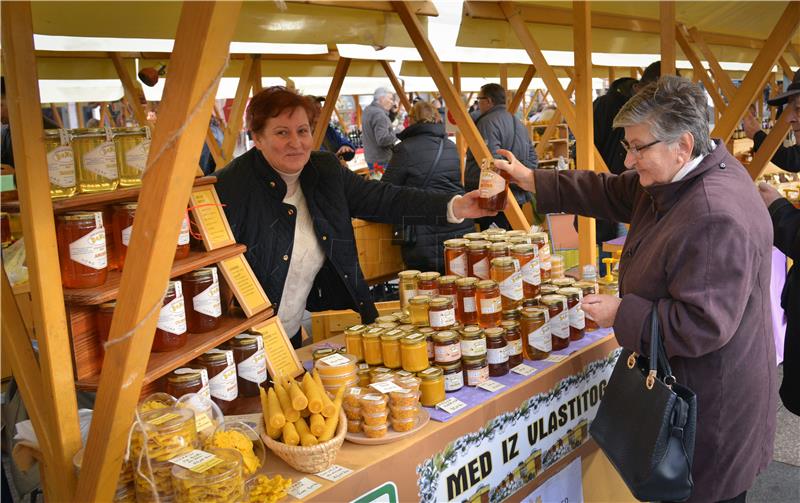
<point x="667" y="25"/>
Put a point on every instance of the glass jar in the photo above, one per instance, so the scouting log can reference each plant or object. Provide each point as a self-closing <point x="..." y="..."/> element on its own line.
<point x="577" y="320"/>
<point x="528" y="258"/>
<point x="511" y="314"/>
<point x="407" y="287"/>
<point x="103" y="316"/>
<point x="95" y="160"/>
<point x="442" y="314"/>
<point x="473" y="236"/>
<point x="428" y="332"/>
<point x="5" y="230"/>
<point x="221" y="483"/>
<point x="455" y="257"/>
<point x="559" y="320"/>
<point x="536" y="332"/>
<point x="418" y="309"/>
<point x="427" y="284"/>
<point x="542" y="242"/>
<point x="564" y="282"/>
<point x="133" y="146"/>
<point x="548" y="289"/>
<point x="446" y="347"/>
<point x="432" y="386"/>
<point x="478" y="259"/>
<point x="170" y="432"/>
<point x="60" y="163"/>
<point x="473" y="341"/>
<point x="453" y="376"/>
<point x="414" y="353"/>
<point x="495" y="231"/>
<point x="497" y="250"/>
<point x="204" y="311"/>
<point x="466" y="311"/>
<point x="509" y="280"/>
<point x="496" y="351"/>
<point x="251" y="363"/>
<point x="171" y="328"/>
<point x="390" y="348"/>
<point x="387" y="318"/>
<point x="514" y="342"/>
<point x="185" y="380"/>
<point x="353" y="342"/>
<point x="492" y="187"/>
<point x="490" y="307"/>
<point x="111" y="247"/>
<point x="220" y="366"/>
<point x="476" y="370"/>
<point x="82" y="250"/>
<point x="122" y="225"/>
<point x="373" y="355"/>
<point x="588" y="288"/>
<point x="496" y="239"/>
<point x="184" y="239"/>
<point x="447" y="287"/>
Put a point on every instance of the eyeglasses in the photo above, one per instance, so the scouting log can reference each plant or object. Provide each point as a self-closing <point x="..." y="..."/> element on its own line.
<point x="637" y="151"/>
<point x="482" y="98"/>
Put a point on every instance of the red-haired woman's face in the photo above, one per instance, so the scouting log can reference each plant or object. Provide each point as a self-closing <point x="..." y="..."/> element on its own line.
<point x="285" y="141"/>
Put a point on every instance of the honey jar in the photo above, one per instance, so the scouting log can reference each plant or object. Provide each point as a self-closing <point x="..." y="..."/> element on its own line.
<point x="220" y="366"/>
<point x="577" y="320"/>
<point x="466" y="311"/>
<point x="171" y="328"/>
<point x="447" y="287"/>
<point x="122" y="225"/>
<point x="373" y="355"/>
<point x="251" y="363"/>
<point x="95" y="160"/>
<point x="509" y="280"/>
<point x="476" y="370"/>
<point x="184" y="238"/>
<point x="473" y="341"/>
<point x="543" y="244"/>
<point x="588" y="288"/>
<point x="501" y="249"/>
<point x="559" y="320"/>
<point x="453" y="376"/>
<point x="427" y="284"/>
<point x="455" y="257"/>
<point x="513" y="341"/>
<point x="432" y="386"/>
<point x="183" y="381"/>
<point x="353" y="342"/>
<point x="536" y="332"/>
<point x="441" y="313"/>
<point x="446" y="347"/>
<point x="204" y="308"/>
<point x="492" y="187"/>
<point x="82" y="250"/>
<point x="418" y="309"/>
<point x="414" y="353"/>
<point x="496" y="351"/>
<point x="5" y="229"/>
<point x="490" y="306"/>
<point x="60" y="163"/>
<point x="390" y="348"/>
<point x="478" y="259"/>
<point x="133" y="146"/>
<point x="528" y="258"/>
<point x="407" y="287"/>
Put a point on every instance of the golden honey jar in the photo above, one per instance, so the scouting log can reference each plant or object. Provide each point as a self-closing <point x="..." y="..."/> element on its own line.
<point x="60" y="163"/>
<point x="133" y="146"/>
<point x="95" y="160"/>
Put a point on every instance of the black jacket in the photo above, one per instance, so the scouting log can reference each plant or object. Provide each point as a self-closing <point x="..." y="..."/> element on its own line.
<point x="253" y="195"/>
<point x="606" y="137"/>
<point x="412" y="160"/>
<point x="786" y="158"/>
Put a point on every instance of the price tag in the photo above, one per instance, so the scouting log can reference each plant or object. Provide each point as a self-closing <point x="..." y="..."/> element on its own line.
<point x="242" y="280"/>
<point x="197" y="461"/>
<point x="335" y="360"/>
<point x="523" y="369"/>
<point x="334" y="473"/>
<point x="303" y="488"/>
<point x="362" y="366"/>
<point x="491" y="385"/>
<point x="386" y="387"/>
<point x="556" y="358"/>
<point x="210" y="219"/>
<point x="202" y="421"/>
<point x="451" y="405"/>
<point x="281" y="356"/>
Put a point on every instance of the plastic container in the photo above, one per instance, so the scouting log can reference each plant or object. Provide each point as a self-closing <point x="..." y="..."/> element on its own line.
<point x="170" y="432"/>
<point x="407" y="424"/>
<point x="378" y="431"/>
<point x="222" y="483"/>
<point x="374" y="418"/>
<point x="405" y="398"/>
<point x="353" y="425"/>
<point x="372" y="403"/>
<point x="404" y="412"/>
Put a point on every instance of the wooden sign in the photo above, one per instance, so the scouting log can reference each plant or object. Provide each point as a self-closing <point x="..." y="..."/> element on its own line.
<point x="245" y="285"/>
<point x="210" y="218"/>
<point x="281" y="356"/>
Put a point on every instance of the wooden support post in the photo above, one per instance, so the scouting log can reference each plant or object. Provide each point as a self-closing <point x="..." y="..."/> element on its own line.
<point x="473" y="138"/>
<point x="759" y="71"/>
<point x="340" y="118"/>
<point x="504" y="80"/>
<point x="38" y="226"/>
<point x="398" y="86"/>
<point x="256" y="74"/>
<point x="634" y="72"/>
<point x="215" y="150"/>
<point x="198" y="60"/>
<point x="552" y="126"/>
<point x="667" y="8"/>
<point x="721" y="76"/>
<point x="611" y="75"/>
<point x="56" y="115"/>
<point x="584" y="134"/>
<point x="359" y="111"/>
<point x="132" y="89"/>
<point x="787" y="70"/>
<point x="699" y="71"/>
<point x="330" y="101"/>
<point x="523" y="88"/>
<point x="461" y="145"/>
<point x="795" y="54"/>
<point x="768" y="148"/>
<point x="79" y="109"/>
<point x="237" y="108"/>
<point x="530" y="105"/>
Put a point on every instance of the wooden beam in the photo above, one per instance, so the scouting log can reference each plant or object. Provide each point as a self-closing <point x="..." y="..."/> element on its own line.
<point x="204" y="32"/>
<point x="720" y="76"/>
<point x="359" y="111"/>
<point x="461" y="145"/>
<point x="552" y="126"/>
<point x="330" y="101"/>
<point x="503" y="71"/>
<point x="237" y="108"/>
<point x="38" y="226"/>
<point x="787" y="70"/>
<point x="56" y="115"/>
<point x="768" y="148"/>
<point x="398" y="86"/>
<point x="215" y="150"/>
<point x="454" y="104"/>
<point x="523" y="88"/>
<point x="340" y="118"/>
<point x="667" y="17"/>
<point x="699" y="71"/>
<point x="759" y="72"/>
<point x="530" y="105"/>
<point x="611" y="75"/>
<point x="256" y="74"/>
<point x="795" y="52"/>
<point x="133" y="91"/>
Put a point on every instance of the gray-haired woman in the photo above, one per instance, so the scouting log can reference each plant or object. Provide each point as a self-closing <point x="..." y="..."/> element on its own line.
<point x="699" y="251"/>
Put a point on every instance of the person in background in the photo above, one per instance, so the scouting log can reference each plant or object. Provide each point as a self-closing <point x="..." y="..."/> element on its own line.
<point x="786" y="158"/>
<point x="699" y="253"/>
<point x="292" y="208"/>
<point x="377" y="132"/>
<point x="207" y="162"/>
<point x="414" y="164"/>
<point x="6" y="148"/>
<point x="335" y="141"/>
<point x="501" y="130"/>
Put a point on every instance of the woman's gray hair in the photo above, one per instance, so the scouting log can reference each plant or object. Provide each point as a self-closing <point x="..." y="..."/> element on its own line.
<point x="671" y="106"/>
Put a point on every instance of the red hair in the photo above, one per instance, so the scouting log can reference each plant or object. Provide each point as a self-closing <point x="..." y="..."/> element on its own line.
<point x="273" y="101"/>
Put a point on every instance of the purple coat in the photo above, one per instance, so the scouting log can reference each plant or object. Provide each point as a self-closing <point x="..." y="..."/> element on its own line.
<point x="701" y="249"/>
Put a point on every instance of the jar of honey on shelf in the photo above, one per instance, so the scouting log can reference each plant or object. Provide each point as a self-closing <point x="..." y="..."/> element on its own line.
<point x="133" y="146"/>
<point x="171" y="328"/>
<point x="511" y="314"/>
<point x="496" y="351"/>
<point x="490" y="307"/>
<point x="559" y="320"/>
<point x="5" y="229"/>
<point x="473" y="341"/>
<point x="492" y="187"/>
<point x="418" y="309"/>
<point x="442" y="314"/>
<point x="455" y="257"/>
<point x="95" y="160"/>
<point x="428" y="332"/>
<point x="203" y="306"/>
<point x="497" y="250"/>
<point x="103" y="316"/>
<point x="122" y="227"/>
<point x="542" y="242"/>
<point x="513" y="341"/>
<point x="183" y="381"/>
<point x="564" y="282"/>
<point x="528" y="258"/>
<point x="496" y="239"/>
<point x="432" y="387"/>
<point x="414" y="353"/>
<point x="373" y="355"/>
<point x="60" y="163"/>
<point x="446" y="347"/>
<point x="495" y="231"/>
<point x="427" y="284"/>
<point x="353" y="341"/>
<point x="577" y="320"/>
<point x="220" y="366"/>
<point x="83" y="257"/>
<point x="407" y="287"/>
<point x="390" y="348"/>
<point x="478" y="259"/>
<point x="536" y="333"/>
<point x="447" y="287"/>
<point x="588" y="288"/>
<point x="182" y="250"/>
<point x="251" y="363"/>
<point x="466" y="311"/>
<point x="476" y="370"/>
<point x="509" y="280"/>
<point x="453" y="376"/>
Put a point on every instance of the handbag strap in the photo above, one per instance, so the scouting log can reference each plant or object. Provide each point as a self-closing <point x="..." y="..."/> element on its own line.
<point x="658" y="355"/>
<point x="435" y="163"/>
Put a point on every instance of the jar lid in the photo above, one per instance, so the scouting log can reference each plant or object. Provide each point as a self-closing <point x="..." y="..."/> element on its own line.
<point x="478" y="245"/>
<point x="185" y="375"/>
<point x="494" y="231"/>
<point x="430" y="373"/>
<point x="448" y="280"/>
<point x="441" y="302"/>
<point x="509" y="324"/>
<point x="466" y="282"/>
<point x="428" y="276"/>
<point x="373" y="333"/>
<point x="494" y="332"/>
<point x="534" y="313"/>
<point x="538" y="237"/>
<point x="515" y="233"/>
<point x="499" y="246"/>
<point x="473" y="236"/>
<point x="587" y="287"/>
<point x="386" y="318"/>
<point x="522" y="249"/>
<point x="445" y="336"/>
<point x="519" y="240"/>
<point x="129" y="130"/>
<point x="452" y="366"/>
<point x="355" y="330"/>
<point x="472" y="332"/>
<point x="166" y="419"/>
<point x="243" y="340"/>
<point x="392" y="335"/>
<point x="226" y="472"/>
<point x="202" y="273"/>
<point x="214" y="355"/>
<point x="477" y="359"/>
<point x="497" y="239"/>
<point x="455" y="243"/>
<point x="408" y="274"/>
<point x="548" y="289"/>
<point x="412" y="339"/>
<point x="170" y="289"/>
<point x="374" y="371"/>
<point x="322" y="353"/>
<point x="426" y="330"/>
<point x="419" y="299"/>
<point x="86" y="132"/>
<point x="511" y="314"/>
<point x="130" y="205"/>
<point x="486" y="284"/>
<point x="407" y="327"/>
<point x="389" y="325"/>
<point x="503" y="262"/>
<point x="570" y="292"/>
<point x="52" y="133"/>
<point x="108" y="305"/>
<point x="552" y="300"/>
<point x="81" y="215"/>
<point x="562" y="282"/>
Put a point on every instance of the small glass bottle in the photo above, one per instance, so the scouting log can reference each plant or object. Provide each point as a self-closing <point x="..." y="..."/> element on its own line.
<point x="577" y="320"/>
<point x="497" y="351"/>
<point x="588" y="288"/>
<point x="536" y="332"/>
<point x="466" y="310"/>
<point x="414" y="353"/>
<point x="473" y="341"/>
<point x="418" y="308"/>
<point x="442" y="314"/>
<point x="82" y="250"/>
<point x="528" y="258"/>
<point x="509" y="280"/>
<point x="122" y="225"/>
<point x="183" y="381"/>
<point x="103" y="316"/>
<point x="171" y="328"/>
<point x="390" y="348"/>
<point x="184" y="239"/>
<point x="60" y="163"/>
<point x="559" y="320"/>
<point x="514" y="341"/>
<point x="446" y="347"/>
<point x="407" y="287"/>
<point x="373" y="354"/>
<point x="455" y="257"/>
<point x="251" y="363"/>
<point x="492" y="187"/>
<point x="478" y="259"/>
<point x="497" y="250"/>
<point x="427" y="284"/>
<point x="353" y="341"/>
<point x="490" y="307"/>
<point x="476" y="370"/>
<point x="432" y="387"/>
<point x="204" y="308"/>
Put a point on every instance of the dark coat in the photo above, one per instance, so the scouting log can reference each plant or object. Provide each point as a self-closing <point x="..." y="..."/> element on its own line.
<point x="787" y="158"/>
<point x="786" y="225"/>
<point x="700" y="249"/>
<point x="253" y="195"/>
<point x="412" y="160"/>
<point x="334" y="140"/>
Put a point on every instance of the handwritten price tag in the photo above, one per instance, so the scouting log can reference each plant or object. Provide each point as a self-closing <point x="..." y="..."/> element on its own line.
<point x="197" y="461"/>
<point x="334" y="473"/>
<point x="491" y="386"/>
<point x="451" y="405"/>
<point x="303" y="488"/>
<point x="556" y="358"/>
<point x="523" y="369"/>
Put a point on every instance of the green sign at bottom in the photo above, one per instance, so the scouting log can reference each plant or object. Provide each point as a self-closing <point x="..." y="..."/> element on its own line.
<point x="385" y="493"/>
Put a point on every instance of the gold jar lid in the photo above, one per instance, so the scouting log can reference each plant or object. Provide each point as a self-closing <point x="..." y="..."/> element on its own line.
<point x="455" y="243"/>
<point x="522" y="249"/>
<point x="355" y="330"/>
<point x="242" y="340"/>
<point x="54" y="133"/>
<point x="478" y="245"/>
<point x="494" y="231"/>
<point x="202" y="273"/>
<point x="389" y="325"/>
<point x="552" y="300"/>
<point x="430" y="373"/>
<point x="570" y="292"/>
<point x="445" y="336"/>
<point x="472" y="332"/>
<point x="534" y="313"/>
<point x="515" y="233"/>
<point x="88" y="132"/>
<point x="494" y="332"/>
<point x="486" y="284"/>
<point x="392" y="335"/>
<point x="426" y="331"/>
<point x="562" y="282"/>
<point x="386" y="318"/>
<point x="127" y="206"/>
<point x="465" y="282"/>
<point x="548" y="289"/>
<point x="412" y="339"/>
<point x="499" y="247"/>
<point x="452" y="366"/>
<point x="213" y="355"/>
<point x="373" y="332"/>
<point x="171" y="291"/>
<point x="587" y="287"/>
<point x="473" y="236"/>
<point x="509" y="324"/>
<point x="511" y="314"/>
<point x="473" y="360"/>
<point x="407" y="327"/>
<point x="184" y="375"/>
<point x="447" y="280"/>
<point x="81" y="215"/>
<point x="428" y="276"/>
<point x="497" y="239"/>
<point x="538" y="237"/>
<point x="445" y="302"/>
<point x="126" y="131"/>
<point x="419" y="300"/>
<point x="503" y="262"/>
<point x="408" y="274"/>
<point x="322" y="353"/>
<point x="519" y="240"/>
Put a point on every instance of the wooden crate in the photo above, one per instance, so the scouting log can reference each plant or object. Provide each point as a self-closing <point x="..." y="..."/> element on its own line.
<point x="329" y="323"/>
<point x="380" y="260"/>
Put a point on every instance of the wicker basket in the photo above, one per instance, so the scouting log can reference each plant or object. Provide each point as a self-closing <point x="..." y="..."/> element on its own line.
<point x="311" y="459"/>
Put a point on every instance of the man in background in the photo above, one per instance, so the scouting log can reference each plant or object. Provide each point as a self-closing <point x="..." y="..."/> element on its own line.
<point x="377" y="132"/>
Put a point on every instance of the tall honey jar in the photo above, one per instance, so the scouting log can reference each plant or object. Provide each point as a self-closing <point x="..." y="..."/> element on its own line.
<point x="466" y="310"/>
<point x="528" y="258"/>
<point x="353" y="342"/>
<point x="171" y="327"/>
<point x="222" y="381"/>
<point x="509" y="280"/>
<point x="559" y="320"/>
<point x="441" y="313"/>
<point x="60" y="163"/>
<point x="95" y="160"/>
<point x="535" y="332"/>
<point x="428" y="284"/>
<point x="133" y="146"/>
<point x="496" y="250"/>
<point x="497" y="352"/>
<point x="588" y="288"/>
<point x="513" y="341"/>
<point x="542" y="242"/>
<point x="492" y="187"/>
<point x="577" y="320"/>
<point x="184" y="237"/>
<point x="251" y="363"/>
<point x="122" y="226"/>
<point x="478" y="259"/>
<point x="490" y="307"/>
<point x="447" y="287"/>
<point x="414" y="353"/>
<point x="373" y="353"/>
<point x="455" y="257"/>
<point x="407" y="287"/>
<point x="82" y="253"/>
<point x="418" y="309"/>
<point x="203" y="304"/>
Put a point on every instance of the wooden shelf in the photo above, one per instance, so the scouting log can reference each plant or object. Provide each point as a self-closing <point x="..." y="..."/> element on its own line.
<point x="161" y="364"/>
<point x="109" y="290"/>
<point x="83" y="201"/>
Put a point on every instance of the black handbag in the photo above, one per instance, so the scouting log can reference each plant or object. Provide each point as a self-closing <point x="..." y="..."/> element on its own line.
<point x="406" y="234"/>
<point x="646" y="424"/>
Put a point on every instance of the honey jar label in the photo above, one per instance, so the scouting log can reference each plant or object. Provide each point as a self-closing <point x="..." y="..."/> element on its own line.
<point x="61" y="167"/>
<point x="511" y="287"/>
<point x="531" y="273"/>
<point x="515" y="347"/>
<point x="430" y="293"/>
<point x="576" y="317"/>
<point x="90" y="249"/>
<point x="223" y="385"/>
<point x="559" y="325"/>
<point x="447" y="354"/>
<point x="491" y="306"/>
<point x="207" y="302"/>
<point x="497" y="356"/>
<point x="185" y="235"/>
<point x="444" y="318"/>
<point x="458" y="265"/>
<point x="172" y="317"/>
<point x="491" y="184"/>
<point x="477" y="376"/>
<point x="541" y="339"/>
<point x="454" y="381"/>
<point x="469" y="304"/>
<point x="136" y="157"/>
<point x="102" y="161"/>
<point x="254" y="368"/>
<point x="197" y="461"/>
<point x="126" y="235"/>
<point x="473" y="348"/>
<point x="481" y="269"/>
